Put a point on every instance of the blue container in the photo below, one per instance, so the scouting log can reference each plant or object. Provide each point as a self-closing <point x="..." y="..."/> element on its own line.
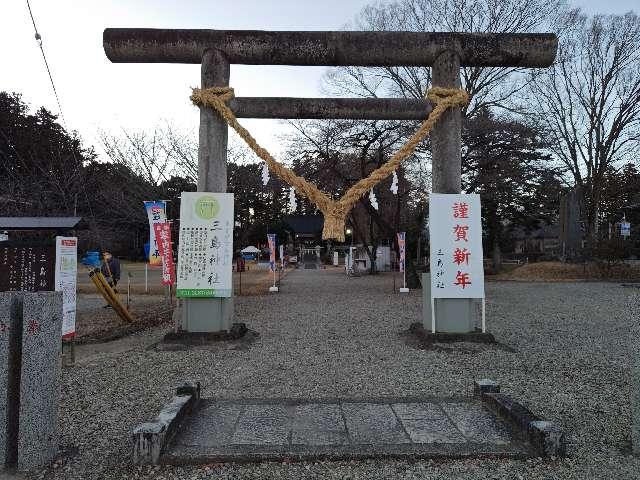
<point x="91" y="259"/>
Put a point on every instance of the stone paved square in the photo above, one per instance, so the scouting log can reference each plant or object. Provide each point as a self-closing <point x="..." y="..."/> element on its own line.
<point x="276" y="428"/>
<point x="427" y="423"/>
<point x="318" y="424"/>
<point x="370" y="423"/>
<point x="262" y="425"/>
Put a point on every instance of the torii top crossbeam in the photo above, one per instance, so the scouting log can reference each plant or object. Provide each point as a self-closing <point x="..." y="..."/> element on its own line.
<point x="368" y="49"/>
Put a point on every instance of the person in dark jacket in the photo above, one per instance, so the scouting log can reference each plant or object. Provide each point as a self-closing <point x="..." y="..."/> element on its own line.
<point x="111" y="269"/>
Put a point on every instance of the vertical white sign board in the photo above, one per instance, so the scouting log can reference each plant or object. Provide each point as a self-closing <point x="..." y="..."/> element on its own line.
<point x="455" y="233"/>
<point x="206" y="245"/>
<point x="65" y="280"/>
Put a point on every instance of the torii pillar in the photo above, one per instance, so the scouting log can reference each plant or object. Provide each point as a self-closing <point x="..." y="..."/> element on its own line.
<point x="215" y="50"/>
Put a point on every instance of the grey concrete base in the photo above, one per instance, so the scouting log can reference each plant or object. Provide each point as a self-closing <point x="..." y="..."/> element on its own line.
<point x="40" y="379"/>
<point x="206" y="314"/>
<point x="453" y="315"/>
<point x="277" y="429"/>
<point x="237" y="331"/>
<point x="428" y="337"/>
<point x="546" y="438"/>
<point x="151" y="438"/>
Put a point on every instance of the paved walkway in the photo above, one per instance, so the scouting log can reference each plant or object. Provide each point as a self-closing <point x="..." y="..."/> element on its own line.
<point x="313" y="429"/>
<point x="369" y="420"/>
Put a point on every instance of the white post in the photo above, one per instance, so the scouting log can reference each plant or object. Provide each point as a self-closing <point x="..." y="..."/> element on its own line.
<point x="484" y="319"/>
<point x="146" y="277"/>
<point x="433" y="316"/>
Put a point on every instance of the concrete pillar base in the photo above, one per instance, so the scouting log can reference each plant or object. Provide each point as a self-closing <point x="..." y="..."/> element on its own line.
<point x="206" y="314"/>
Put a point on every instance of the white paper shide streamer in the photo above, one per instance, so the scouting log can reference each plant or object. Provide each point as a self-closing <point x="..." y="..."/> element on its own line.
<point x="373" y="199"/>
<point x="394" y="183"/>
<point x="292" y="200"/>
<point x="265" y="174"/>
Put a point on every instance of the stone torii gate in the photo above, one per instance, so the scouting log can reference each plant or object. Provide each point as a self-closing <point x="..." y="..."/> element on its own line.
<point x="215" y="50"/>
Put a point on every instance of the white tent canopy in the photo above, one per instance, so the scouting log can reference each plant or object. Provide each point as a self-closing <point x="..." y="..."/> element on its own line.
<point x="250" y="249"/>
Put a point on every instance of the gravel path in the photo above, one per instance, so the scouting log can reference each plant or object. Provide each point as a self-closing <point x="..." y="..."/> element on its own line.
<point x="326" y="335"/>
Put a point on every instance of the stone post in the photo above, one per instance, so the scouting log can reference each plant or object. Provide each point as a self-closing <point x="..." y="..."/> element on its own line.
<point x="10" y="345"/>
<point x="30" y="342"/>
<point x="452" y="315"/>
<point x="634" y="353"/>
<point x="39" y="379"/>
<point x="447" y="132"/>
<point x="211" y="314"/>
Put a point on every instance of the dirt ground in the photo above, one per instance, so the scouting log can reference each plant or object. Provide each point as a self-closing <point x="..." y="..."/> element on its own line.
<point x="95" y="323"/>
<point x="571" y="272"/>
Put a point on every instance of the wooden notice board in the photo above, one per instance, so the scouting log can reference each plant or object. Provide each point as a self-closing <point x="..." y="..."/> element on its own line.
<point x="27" y="267"/>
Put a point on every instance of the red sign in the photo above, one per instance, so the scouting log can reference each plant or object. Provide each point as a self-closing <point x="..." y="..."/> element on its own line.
<point x="163" y="235"/>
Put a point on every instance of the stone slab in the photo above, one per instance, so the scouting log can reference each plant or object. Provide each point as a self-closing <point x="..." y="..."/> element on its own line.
<point x="339" y="429"/>
<point x="40" y="379"/>
<point x="427" y="423"/>
<point x="477" y="424"/>
<point x="318" y="424"/>
<point x="371" y="423"/>
<point x="212" y="426"/>
<point x="262" y="425"/>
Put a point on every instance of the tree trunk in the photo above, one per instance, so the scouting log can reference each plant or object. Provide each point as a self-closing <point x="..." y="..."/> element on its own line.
<point x="497" y="256"/>
<point x="373" y="268"/>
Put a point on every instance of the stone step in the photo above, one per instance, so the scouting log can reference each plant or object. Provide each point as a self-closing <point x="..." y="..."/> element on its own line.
<point x="281" y="429"/>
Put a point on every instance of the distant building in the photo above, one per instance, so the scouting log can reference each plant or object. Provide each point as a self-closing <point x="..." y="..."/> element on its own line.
<point x="540" y="241"/>
<point x="305" y="230"/>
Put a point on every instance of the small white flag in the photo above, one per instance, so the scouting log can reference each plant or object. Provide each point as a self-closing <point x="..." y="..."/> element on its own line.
<point x="394" y="183"/>
<point x="265" y="174"/>
<point x="292" y="200"/>
<point x="373" y="199"/>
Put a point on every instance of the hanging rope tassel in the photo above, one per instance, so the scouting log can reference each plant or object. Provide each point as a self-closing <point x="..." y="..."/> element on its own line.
<point x="394" y="183"/>
<point x="335" y="211"/>
<point x="292" y="200"/>
<point x="265" y="173"/>
<point x="372" y="199"/>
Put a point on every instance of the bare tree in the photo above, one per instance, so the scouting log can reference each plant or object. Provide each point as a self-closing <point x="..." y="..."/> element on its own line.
<point x="144" y="153"/>
<point x="166" y="151"/>
<point x="590" y="101"/>
<point x="488" y="87"/>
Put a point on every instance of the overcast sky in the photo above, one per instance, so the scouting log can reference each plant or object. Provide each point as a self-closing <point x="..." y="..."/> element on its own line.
<point x="96" y="94"/>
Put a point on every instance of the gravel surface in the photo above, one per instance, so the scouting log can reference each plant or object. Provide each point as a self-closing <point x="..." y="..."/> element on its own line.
<point x="96" y="323"/>
<point x="326" y="335"/>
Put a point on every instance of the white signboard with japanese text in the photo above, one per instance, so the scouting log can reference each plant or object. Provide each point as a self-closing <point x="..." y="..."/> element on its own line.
<point x="66" y="272"/>
<point x="455" y="233"/>
<point x="205" y="245"/>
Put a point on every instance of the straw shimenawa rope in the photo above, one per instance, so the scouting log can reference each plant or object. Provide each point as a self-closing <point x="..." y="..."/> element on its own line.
<point x="335" y="211"/>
